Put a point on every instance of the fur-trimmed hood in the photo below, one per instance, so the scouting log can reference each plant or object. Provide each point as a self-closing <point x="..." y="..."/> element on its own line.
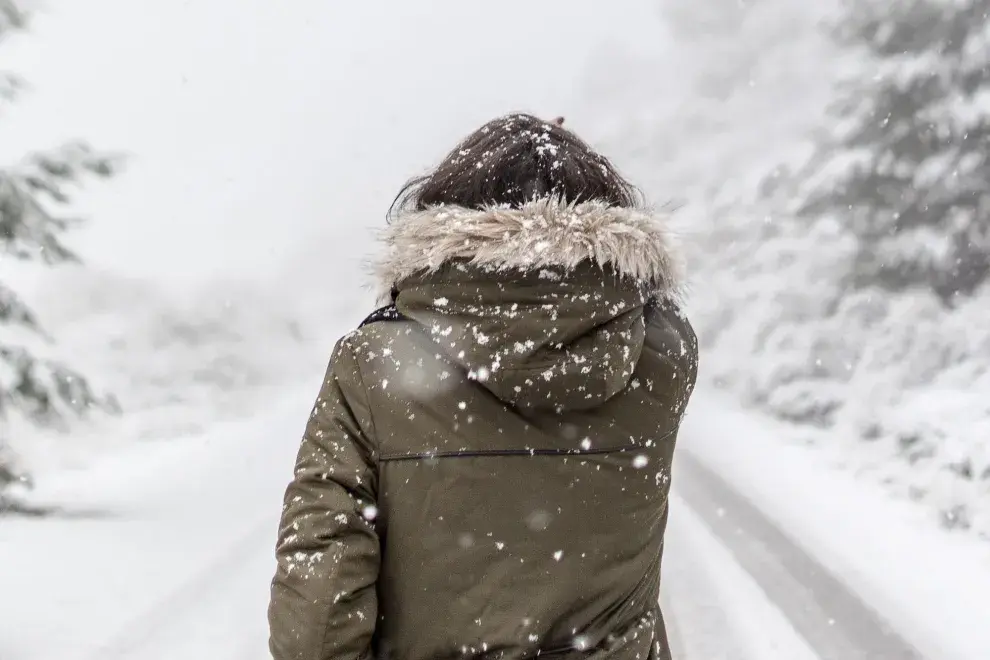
<point x="636" y="243"/>
<point x="545" y="304"/>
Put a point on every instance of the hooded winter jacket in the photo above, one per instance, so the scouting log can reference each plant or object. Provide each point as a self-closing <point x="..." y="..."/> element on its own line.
<point x="486" y="470"/>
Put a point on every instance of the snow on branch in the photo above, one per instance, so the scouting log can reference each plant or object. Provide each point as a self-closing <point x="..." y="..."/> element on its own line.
<point x="30" y="192"/>
<point x="45" y="391"/>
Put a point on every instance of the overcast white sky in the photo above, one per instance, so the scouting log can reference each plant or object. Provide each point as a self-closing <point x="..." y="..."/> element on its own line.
<point x="258" y="127"/>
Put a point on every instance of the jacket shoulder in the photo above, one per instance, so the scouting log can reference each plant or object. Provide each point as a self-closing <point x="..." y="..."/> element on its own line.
<point x="670" y="334"/>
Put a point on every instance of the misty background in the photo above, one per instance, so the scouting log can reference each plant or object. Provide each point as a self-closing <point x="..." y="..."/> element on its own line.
<point x="827" y="163"/>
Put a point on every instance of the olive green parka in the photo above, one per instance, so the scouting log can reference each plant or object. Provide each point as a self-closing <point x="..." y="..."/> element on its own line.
<point x="486" y="470"/>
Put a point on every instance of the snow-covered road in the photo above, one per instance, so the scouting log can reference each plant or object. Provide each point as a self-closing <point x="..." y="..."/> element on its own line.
<point x="174" y="559"/>
<point x="169" y="552"/>
<point x="782" y="602"/>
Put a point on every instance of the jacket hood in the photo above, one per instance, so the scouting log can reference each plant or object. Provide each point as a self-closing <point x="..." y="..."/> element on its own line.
<point x="543" y="304"/>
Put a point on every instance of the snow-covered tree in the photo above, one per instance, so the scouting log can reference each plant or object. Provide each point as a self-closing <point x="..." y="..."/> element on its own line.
<point x="34" y="193"/>
<point x="908" y="171"/>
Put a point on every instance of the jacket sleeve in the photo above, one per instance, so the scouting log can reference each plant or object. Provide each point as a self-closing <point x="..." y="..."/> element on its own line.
<point x="323" y="598"/>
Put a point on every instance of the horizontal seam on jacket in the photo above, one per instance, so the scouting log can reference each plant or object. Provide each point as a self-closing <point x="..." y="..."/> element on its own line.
<point x="503" y="452"/>
<point x="476" y="453"/>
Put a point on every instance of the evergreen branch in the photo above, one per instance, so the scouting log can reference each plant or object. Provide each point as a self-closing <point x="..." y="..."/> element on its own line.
<point x="11" y="86"/>
<point x="29" y="231"/>
<point x="14" y="311"/>
<point x="47" y="173"/>
<point x="13" y="17"/>
<point x="45" y="391"/>
<point x="904" y="169"/>
<point x="29" y="227"/>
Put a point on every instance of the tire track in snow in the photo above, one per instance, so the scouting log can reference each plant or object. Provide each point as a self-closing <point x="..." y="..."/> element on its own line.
<point x="836" y="623"/>
<point x="719" y="610"/>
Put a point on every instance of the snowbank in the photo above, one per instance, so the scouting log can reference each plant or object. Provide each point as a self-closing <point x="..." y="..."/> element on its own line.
<point x="895" y="387"/>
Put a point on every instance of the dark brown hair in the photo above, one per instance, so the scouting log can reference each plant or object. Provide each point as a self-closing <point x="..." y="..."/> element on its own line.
<point x="512" y="160"/>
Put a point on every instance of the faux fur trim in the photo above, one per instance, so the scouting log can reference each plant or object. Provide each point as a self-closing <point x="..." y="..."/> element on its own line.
<point x="546" y="232"/>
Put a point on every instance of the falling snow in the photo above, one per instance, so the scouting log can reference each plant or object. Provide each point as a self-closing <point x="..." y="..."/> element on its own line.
<point x="485" y="352"/>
